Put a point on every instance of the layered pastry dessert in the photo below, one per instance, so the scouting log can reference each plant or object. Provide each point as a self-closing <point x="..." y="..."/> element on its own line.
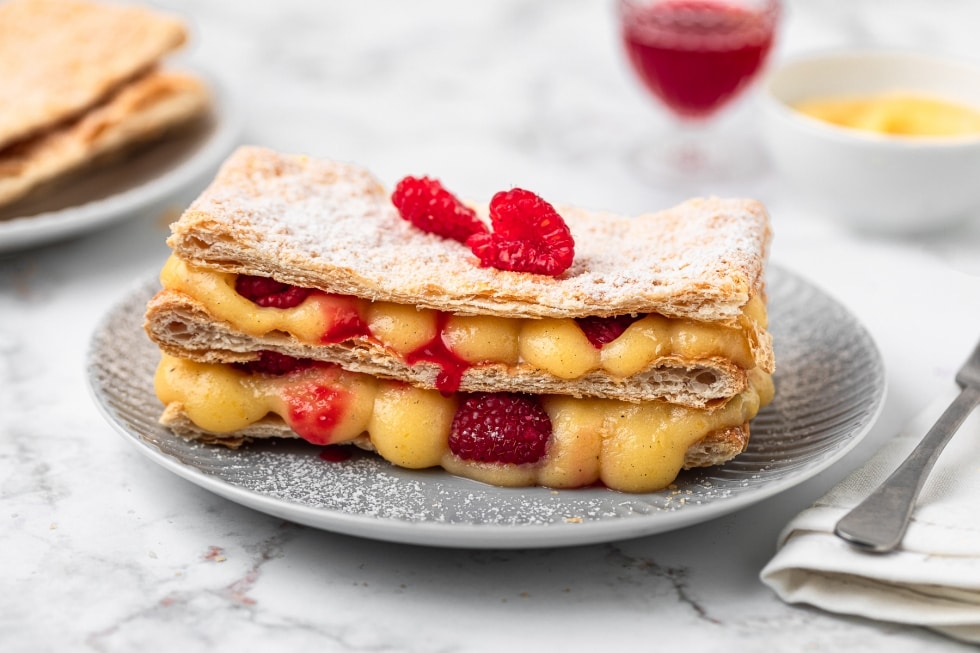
<point x="515" y="343"/>
<point x="84" y="82"/>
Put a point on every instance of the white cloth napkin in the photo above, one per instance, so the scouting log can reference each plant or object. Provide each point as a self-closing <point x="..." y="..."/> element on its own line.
<point x="933" y="580"/>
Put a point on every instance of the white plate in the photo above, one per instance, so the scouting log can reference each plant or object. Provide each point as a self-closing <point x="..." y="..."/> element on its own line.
<point x="830" y="387"/>
<point x="98" y="197"/>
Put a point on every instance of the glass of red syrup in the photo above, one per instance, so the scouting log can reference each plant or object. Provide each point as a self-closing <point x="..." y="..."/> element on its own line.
<point x="696" y="58"/>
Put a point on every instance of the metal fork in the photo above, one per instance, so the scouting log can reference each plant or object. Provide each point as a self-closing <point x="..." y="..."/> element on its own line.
<point x="878" y="523"/>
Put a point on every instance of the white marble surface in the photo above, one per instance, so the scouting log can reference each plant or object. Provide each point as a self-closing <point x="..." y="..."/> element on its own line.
<point x="105" y="551"/>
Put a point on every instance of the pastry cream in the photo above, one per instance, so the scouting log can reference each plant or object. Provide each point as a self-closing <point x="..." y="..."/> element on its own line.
<point x="628" y="447"/>
<point x="557" y="346"/>
<point x="896" y="114"/>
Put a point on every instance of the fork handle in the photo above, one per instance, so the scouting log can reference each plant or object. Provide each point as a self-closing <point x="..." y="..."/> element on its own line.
<point x="878" y="523"/>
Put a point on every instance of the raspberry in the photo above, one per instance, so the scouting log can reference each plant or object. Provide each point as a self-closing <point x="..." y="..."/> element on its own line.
<point x="274" y="364"/>
<point x="315" y="410"/>
<point x="602" y="330"/>
<point x="430" y="207"/>
<point x="500" y="428"/>
<point x="528" y="236"/>
<point x="269" y="292"/>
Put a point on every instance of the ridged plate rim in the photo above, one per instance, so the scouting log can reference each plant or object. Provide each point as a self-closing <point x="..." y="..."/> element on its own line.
<point x="830" y="383"/>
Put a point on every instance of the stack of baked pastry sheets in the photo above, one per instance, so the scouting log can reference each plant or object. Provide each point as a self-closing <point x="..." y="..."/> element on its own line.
<point x="304" y="299"/>
<point x="82" y="83"/>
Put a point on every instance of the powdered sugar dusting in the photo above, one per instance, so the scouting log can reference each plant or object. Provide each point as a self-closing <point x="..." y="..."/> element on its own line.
<point x="332" y="224"/>
<point x="831" y="385"/>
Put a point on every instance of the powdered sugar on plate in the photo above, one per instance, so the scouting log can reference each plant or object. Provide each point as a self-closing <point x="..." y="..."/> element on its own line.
<point x="830" y="387"/>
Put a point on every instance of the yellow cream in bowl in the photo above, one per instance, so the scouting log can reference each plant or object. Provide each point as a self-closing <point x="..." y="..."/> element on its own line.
<point x="896" y="114"/>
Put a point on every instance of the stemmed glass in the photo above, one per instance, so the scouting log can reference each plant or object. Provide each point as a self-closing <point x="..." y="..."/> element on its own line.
<point x="696" y="58"/>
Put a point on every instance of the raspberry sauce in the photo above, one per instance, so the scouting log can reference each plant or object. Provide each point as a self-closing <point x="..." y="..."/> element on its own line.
<point x="451" y="366"/>
<point x="344" y="320"/>
<point x="696" y="55"/>
<point x="335" y="454"/>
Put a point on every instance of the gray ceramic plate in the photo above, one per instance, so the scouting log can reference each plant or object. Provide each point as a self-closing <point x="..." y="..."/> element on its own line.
<point x="113" y="192"/>
<point x="830" y="387"/>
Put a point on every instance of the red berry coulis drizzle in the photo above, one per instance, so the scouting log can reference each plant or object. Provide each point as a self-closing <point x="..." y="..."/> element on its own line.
<point x="346" y="323"/>
<point x="315" y="407"/>
<point x="336" y="453"/>
<point x="451" y="366"/>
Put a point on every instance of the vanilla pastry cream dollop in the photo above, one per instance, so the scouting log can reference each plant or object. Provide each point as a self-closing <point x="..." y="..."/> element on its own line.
<point x="631" y="447"/>
<point x="649" y="354"/>
<point x="557" y="346"/>
<point x="634" y="447"/>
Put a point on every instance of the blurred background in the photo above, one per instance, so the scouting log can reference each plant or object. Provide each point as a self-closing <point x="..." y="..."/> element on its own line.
<point x="540" y="88"/>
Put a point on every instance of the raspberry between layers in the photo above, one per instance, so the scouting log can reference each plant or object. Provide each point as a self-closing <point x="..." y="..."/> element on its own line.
<point x="503" y="428"/>
<point x="274" y="364"/>
<point x="268" y="292"/>
<point x="603" y="330"/>
<point x="500" y="427"/>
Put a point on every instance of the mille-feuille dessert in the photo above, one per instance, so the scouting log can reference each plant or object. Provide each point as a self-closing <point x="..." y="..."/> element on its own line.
<point x="513" y="343"/>
<point x="81" y="81"/>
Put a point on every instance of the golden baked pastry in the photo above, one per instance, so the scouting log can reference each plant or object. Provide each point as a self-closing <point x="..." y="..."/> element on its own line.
<point x="393" y="318"/>
<point x="81" y="79"/>
<point x="140" y="111"/>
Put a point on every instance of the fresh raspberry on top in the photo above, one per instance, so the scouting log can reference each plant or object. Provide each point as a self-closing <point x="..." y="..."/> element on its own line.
<point x="430" y="207"/>
<point x="500" y="428"/>
<point x="274" y="364"/>
<point x="602" y="330"/>
<point x="528" y="236"/>
<point x="269" y="292"/>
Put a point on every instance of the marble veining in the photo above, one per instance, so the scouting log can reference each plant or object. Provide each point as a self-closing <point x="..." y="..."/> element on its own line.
<point x="105" y="551"/>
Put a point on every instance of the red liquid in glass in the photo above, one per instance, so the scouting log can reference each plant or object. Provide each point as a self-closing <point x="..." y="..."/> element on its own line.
<point x="696" y="55"/>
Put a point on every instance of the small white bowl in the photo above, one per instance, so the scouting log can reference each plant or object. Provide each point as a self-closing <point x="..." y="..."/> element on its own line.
<point x="875" y="182"/>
